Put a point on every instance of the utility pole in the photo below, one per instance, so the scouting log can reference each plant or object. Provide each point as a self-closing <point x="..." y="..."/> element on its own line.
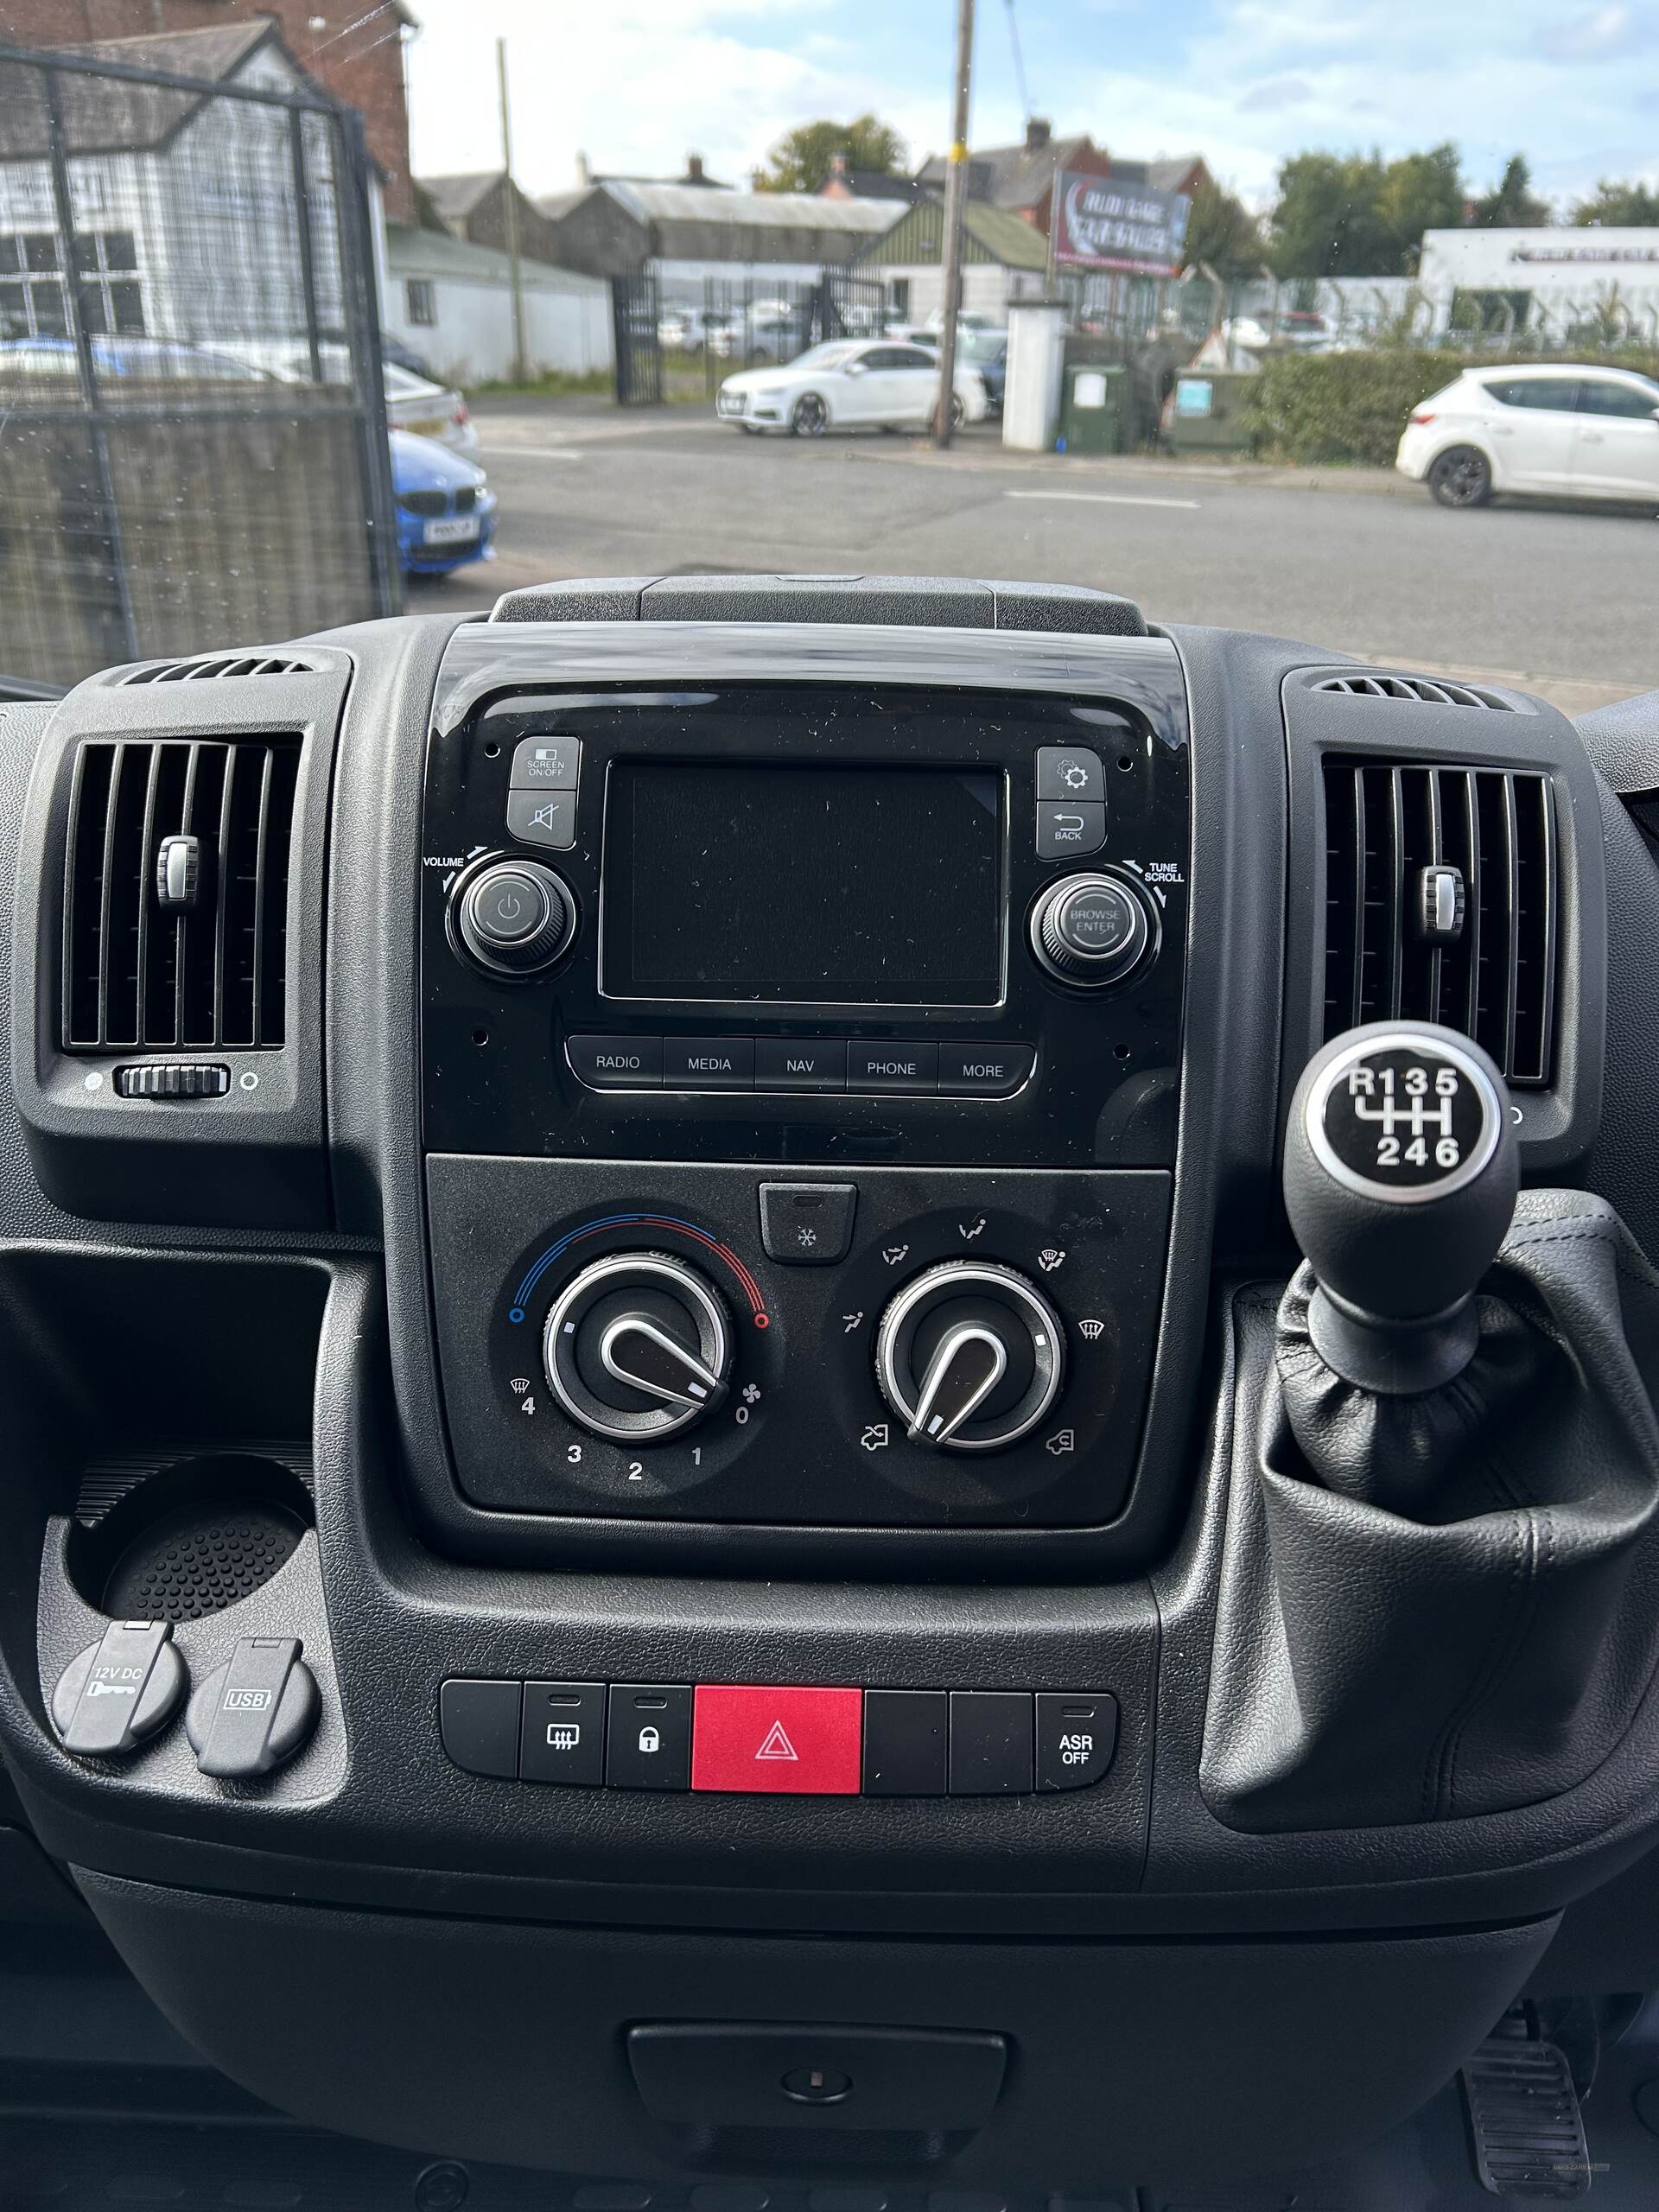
<point x="510" y="203"/>
<point x="956" y="197"/>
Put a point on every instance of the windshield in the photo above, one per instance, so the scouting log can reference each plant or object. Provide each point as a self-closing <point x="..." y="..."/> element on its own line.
<point x="1209" y="280"/>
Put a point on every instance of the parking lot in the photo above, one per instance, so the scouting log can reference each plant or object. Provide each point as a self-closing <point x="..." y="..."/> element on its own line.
<point x="1561" y="599"/>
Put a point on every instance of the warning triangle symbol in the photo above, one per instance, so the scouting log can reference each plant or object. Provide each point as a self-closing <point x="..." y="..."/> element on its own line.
<point x="777" y="1745"/>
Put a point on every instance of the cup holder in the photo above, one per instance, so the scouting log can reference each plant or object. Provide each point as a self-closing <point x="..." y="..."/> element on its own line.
<point x="191" y="1538"/>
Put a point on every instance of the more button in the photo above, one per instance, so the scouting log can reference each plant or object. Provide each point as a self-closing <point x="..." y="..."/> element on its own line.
<point x="984" y="1070"/>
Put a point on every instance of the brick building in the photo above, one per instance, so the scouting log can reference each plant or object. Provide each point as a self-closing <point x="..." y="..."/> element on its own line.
<point x="354" y="49"/>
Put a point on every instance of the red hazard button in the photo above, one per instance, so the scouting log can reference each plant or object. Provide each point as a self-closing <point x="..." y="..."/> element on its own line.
<point x="778" y="1741"/>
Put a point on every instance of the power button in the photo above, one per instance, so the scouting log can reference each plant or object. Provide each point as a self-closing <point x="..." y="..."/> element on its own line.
<point x="513" y="916"/>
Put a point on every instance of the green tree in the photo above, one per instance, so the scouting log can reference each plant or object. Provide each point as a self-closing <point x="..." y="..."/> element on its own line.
<point x="1420" y="192"/>
<point x="1614" y="204"/>
<point x="1222" y="233"/>
<point x="800" y="161"/>
<point x="1511" y="204"/>
<point x="1357" y="215"/>
<point x="1326" y="221"/>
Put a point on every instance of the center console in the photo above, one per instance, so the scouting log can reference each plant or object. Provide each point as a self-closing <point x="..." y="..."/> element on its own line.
<point x="801" y="1084"/>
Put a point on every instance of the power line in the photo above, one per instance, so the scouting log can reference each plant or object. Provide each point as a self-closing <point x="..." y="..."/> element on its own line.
<point x="1018" y="65"/>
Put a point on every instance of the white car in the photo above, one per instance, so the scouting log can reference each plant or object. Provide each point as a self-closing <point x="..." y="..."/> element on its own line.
<point x="848" y="385"/>
<point x="428" y="410"/>
<point x="1580" y="433"/>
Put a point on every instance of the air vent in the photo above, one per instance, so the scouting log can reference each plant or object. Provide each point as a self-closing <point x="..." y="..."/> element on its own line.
<point x="138" y="975"/>
<point x="199" y="672"/>
<point x="1421" y="688"/>
<point x="1495" y="979"/>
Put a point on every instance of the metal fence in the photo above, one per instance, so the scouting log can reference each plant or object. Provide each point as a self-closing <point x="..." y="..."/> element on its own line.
<point x="193" y="434"/>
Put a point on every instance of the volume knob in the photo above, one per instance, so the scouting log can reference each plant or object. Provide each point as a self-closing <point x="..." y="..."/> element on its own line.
<point x="1090" y="928"/>
<point x="513" y="916"/>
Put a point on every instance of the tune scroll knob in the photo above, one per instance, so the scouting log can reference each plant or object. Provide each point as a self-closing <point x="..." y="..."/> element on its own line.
<point x="636" y="1347"/>
<point x="514" y="917"/>
<point x="970" y="1356"/>
<point x="1089" y="929"/>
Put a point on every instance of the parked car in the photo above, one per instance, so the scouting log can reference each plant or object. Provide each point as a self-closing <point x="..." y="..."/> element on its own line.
<point x="1585" y="434"/>
<point x="851" y="383"/>
<point x="426" y="410"/>
<point x="445" y="512"/>
<point x="399" y="355"/>
<point x="985" y="351"/>
<point x="128" y="357"/>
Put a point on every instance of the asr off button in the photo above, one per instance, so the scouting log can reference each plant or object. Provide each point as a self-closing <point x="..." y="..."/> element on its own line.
<point x="1077" y="1737"/>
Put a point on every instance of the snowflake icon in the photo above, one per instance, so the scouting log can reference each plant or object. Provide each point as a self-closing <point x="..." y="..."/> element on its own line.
<point x="806" y="1238"/>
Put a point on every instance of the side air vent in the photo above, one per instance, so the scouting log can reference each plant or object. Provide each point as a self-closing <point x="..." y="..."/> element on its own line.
<point x="190" y="948"/>
<point x="1484" y="963"/>
<point x="1421" y="688"/>
<point x="198" y="671"/>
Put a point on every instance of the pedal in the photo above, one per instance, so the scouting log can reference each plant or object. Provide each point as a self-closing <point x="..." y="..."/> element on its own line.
<point x="1525" y="2129"/>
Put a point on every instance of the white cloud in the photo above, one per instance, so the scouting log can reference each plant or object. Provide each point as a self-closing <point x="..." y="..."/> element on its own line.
<point x="1596" y="34"/>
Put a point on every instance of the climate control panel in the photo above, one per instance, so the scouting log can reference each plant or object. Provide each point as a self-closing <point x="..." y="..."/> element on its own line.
<point x="897" y="1348"/>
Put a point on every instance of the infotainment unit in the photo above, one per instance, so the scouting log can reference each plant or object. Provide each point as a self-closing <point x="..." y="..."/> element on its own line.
<point x="792" y="921"/>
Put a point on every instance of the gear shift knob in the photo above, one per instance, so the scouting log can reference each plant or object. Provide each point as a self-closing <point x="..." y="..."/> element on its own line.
<point x="1401" y="1172"/>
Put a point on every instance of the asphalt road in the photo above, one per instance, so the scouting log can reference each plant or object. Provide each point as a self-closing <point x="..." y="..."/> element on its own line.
<point x="1562" y="598"/>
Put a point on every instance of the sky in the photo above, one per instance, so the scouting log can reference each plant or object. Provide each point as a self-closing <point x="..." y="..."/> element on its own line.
<point x="635" y="84"/>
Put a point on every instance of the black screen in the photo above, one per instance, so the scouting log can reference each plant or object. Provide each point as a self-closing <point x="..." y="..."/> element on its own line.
<point x="818" y="886"/>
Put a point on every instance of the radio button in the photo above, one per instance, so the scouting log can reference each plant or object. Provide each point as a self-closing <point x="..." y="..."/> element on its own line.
<point x="546" y="763"/>
<point x="984" y="1070"/>
<point x="616" y="1062"/>
<point x="1068" y="772"/>
<point x="1066" y="829"/>
<point x="543" y="818"/>
<point x="891" y="1067"/>
<point x="800" y="1064"/>
<point x="708" y="1063"/>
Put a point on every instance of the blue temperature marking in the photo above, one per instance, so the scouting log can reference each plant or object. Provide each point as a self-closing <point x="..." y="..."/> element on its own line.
<point x="526" y="1288"/>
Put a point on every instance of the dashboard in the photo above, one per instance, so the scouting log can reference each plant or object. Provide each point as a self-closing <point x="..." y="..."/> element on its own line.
<point x="644" y="1252"/>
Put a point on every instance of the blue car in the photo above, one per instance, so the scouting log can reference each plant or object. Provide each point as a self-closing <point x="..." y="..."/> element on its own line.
<point x="446" y="513"/>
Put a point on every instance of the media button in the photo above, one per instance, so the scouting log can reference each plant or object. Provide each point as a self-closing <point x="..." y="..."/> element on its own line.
<point x="800" y="1064"/>
<point x="616" y="1062"/>
<point x="1070" y="771"/>
<point x="873" y="1066"/>
<point x="1068" y="829"/>
<point x="708" y="1063"/>
<point x="984" y="1070"/>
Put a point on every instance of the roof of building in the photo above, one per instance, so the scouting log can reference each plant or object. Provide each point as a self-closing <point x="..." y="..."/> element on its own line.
<point x="1012" y="176"/>
<point x="782" y="211"/>
<point x="117" y="115"/>
<point x="993" y="234"/>
<point x="455" y="198"/>
<point x="879" y="184"/>
<point x="413" y="252"/>
<point x="1167" y="173"/>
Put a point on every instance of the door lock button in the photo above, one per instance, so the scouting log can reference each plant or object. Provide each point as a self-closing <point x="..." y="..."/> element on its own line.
<point x="648" y="1735"/>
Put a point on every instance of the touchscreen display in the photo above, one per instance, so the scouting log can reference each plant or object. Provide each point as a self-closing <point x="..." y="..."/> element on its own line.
<point x="878" y="886"/>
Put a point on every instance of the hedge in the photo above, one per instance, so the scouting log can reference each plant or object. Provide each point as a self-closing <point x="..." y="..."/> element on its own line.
<point x="1353" y="407"/>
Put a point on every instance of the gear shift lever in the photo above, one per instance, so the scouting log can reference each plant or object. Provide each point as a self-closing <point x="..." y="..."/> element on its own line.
<point x="1401" y="1172"/>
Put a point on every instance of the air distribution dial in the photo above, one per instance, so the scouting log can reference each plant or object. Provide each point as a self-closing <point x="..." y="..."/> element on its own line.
<point x="970" y="1356"/>
<point x="636" y="1347"/>
<point x="514" y="917"/>
<point x="1089" y="929"/>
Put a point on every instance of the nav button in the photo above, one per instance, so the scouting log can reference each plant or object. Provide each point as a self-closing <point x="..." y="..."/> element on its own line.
<point x="617" y="1062"/>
